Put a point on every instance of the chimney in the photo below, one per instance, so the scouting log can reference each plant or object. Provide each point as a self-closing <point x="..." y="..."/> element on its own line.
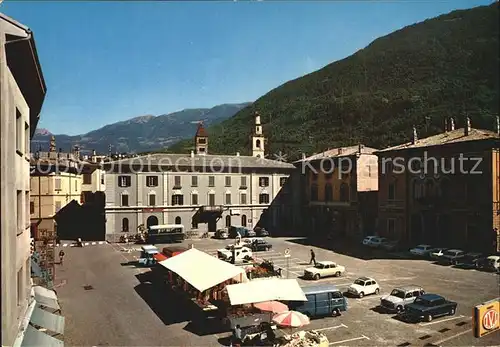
<point x="498" y="125"/>
<point x="94" y="153"/>
<point x="467" y="126"/>
<point x="192" y="154"/>
<point x="445" y="124"/>
<point x="415" y="136"/>
<point x="340" y="150"/>
<point x="237" y="154"/>
<point x="452" y="124"/>
<point x="76" y="151"/>
<point x="360" y="148"/>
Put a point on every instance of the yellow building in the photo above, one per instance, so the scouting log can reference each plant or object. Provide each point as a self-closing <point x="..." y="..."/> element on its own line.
<point x="56" y="180"/>
<point x="342" y="185"/>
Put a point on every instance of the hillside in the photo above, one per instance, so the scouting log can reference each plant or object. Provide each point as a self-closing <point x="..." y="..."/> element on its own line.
<point x="141" y="134"/>
<point x="420" y="74"/>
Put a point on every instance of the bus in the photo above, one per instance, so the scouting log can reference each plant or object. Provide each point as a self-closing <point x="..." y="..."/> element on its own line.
<point x="165" y="233"/>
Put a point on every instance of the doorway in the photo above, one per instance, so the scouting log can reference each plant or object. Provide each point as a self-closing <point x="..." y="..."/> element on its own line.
<point x="152" y="220"/>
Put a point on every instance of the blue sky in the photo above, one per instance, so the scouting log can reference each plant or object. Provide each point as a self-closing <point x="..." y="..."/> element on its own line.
<point x="109" y="61"/>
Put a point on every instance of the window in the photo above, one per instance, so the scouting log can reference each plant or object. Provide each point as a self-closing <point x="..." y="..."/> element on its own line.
<point x="20" y="297"/>
<point x="416" y="293"/>
<point x="228" y="198"/>
<point x="58" y="206"/>
<point x="19" y="212"/>
<point x="263" y="198"/>
<point x="26" y="138"/>
<point x="152" y="181"/>
<point x="178" y="220"/>
<point x="314" y="192"/>
<point x="344" y="192"/>
<point x="282" y="181"/>
<point x="263" y="181"/>
<point x="243" y="221"/>
<point x="152" y="199"/>
<point x="194" y="181"/>
<point x="211" y="181"/>
<point x="57" y="185"/>
<point x="391" y="191"/>
<point x="391" y="227"/>
<point x="32" y="207"/>
<point x="243" y="184"/>
<point x="328" y="192"/>
<point x="177" y="199"/>
<point x="243" y="198"/>
<point x="177" y="181"/>
<point x="124" y="199"/>
<point x="27" y="207"/>
<point x="124" y="181"/>
<point x="102" y="178"/>
<point x="76" y="186"/>
<point x="87" y="178"/>
<point x="228" y="181"/>
<point x="19" y="131"/>
<point x="194" y="199"/>
<point x="228" y="221"/>
<point x="211" y="199"/>
<point x="194" y="224"/>
<point x="125" y="226"/>
<point x="408" y="295"/>
<point x="202" y="141"/>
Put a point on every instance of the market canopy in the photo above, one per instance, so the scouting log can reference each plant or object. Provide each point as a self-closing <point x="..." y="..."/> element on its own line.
<point x="265" y="290"/>
<point x="34" y="337"/>
<point x="202" y="270"/>
<point x="46" y="297"/>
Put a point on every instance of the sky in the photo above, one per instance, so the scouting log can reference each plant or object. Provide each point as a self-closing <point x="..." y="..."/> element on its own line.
<point x="105" y="62"/>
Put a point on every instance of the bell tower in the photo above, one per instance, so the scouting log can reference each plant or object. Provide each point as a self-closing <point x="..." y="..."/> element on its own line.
<point x="258" y="138"/>
<point x="201" y="140"/>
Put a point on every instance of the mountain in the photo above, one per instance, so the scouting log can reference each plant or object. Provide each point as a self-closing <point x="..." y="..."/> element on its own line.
<point x="418" y="75"/>
<point x="140" y="134"/>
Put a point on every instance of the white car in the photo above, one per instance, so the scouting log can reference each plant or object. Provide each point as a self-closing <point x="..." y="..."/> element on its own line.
<point x="421" y="250"/>
<point x="323" y="269"/>
<point x="242" y="253"/>
<point x="378" y="241"/>
<point x="368" y="240"/>
<point x="364" y="286"/>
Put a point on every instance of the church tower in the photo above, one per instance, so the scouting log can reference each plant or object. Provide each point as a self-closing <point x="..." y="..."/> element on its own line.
<point x="258" y="138"/>
<point x="201" y="140"/>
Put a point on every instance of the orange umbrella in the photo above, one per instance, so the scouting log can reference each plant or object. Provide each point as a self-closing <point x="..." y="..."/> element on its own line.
<point x="292" y="319"/>
<point x="271" y="306"/>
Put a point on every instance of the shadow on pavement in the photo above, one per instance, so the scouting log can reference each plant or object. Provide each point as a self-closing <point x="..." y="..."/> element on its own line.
<point x="169" y="306"/>
<point x="206" y="326"/>
<point x="351" y="248"/>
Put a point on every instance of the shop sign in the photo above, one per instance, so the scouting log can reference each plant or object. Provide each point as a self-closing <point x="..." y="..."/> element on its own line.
<point x="486" y="318"/>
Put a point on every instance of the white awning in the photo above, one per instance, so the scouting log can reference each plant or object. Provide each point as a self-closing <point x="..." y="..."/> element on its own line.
<point x="47" y="320"/>
<point x="46" y="297"/>
<point x="36" y="338"/>
<point x="203" y="271"/>
<point x="265" y="290"/>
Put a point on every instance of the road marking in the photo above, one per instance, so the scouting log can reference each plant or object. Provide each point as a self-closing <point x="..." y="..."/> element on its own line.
<point x="86" y="244"/>
<point x="66" y="245"/>
<point x="102" y="242"/>
<point x="397" y="279"/>
<point x="335" y="327"/>
<point x="451" y="337"/>
<point x="442" y="320"/>
<point x="94" y="243"/>
<point x="366" y="298"/>
<point x="120" y="253"/>
<point x="362" y="337"/>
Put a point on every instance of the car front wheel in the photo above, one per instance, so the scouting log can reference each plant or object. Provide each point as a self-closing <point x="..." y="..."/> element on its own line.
<point x="335" y="312"/>
<point x="338" y="273"/>
<point x="361" y="295"/>
<point x="452" y="312"/>
<point x="399" y="309"/>
<point x="429" y="318"/>
<point x="377" y="291"/>
<point x="317" y="277"/>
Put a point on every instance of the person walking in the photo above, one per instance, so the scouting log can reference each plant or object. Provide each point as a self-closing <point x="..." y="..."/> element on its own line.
<point x="236" y="340"/>
<point x="313" y="258"/>
<point x="61" y="257"/>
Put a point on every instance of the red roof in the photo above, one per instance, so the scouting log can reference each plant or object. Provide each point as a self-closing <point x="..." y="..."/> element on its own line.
<point x="201" y="132"/>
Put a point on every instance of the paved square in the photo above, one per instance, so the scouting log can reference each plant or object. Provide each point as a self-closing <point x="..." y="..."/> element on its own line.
<point x="124" y="309"/>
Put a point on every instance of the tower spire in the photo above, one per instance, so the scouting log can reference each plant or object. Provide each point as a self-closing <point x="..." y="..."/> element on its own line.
<point x="258" y="138"/>
<point x="201" y="139"/>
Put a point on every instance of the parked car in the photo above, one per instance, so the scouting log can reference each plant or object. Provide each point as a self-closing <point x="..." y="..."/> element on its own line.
<point x="364" y="286"/>
<point x="493" y="263"/>
<point x="451" y="256"/>
<point x="427" y="307"/>
<point x="221" y="234"/>
<point x="242" y="231"/>
<point x="261" y="232"/>
<point x="421" y="250"/>
<point x="437" y="252"/>
<point x="377" y="242"/>
<point x="400" y="297"/>
<point x="241" y="253"/>
<point x="368" y="240"/>
<point x="322" y="300"/>
<point x="260" y="245"/>
<point x="469" y="261"/>
<point x="324" y="269"/>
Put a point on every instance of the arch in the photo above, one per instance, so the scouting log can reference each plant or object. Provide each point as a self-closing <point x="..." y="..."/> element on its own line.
<point x="152" y="220"/>
<point x="244" y="220"/>
<point x="178" y="220"/>
<point x="344" y="192"/>
<point x="228" y="221"/>
<point x="257" y="143"/>
<point x="125" y="225"/>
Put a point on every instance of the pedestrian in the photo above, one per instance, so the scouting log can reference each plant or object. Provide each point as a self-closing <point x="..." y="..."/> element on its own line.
<point x="61" y="256"/>
<point x="313" y="258"/>
<point x="236" y="336"/>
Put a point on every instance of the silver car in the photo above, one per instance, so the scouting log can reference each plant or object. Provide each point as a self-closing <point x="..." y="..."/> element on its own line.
<point x="400" y="297"/>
